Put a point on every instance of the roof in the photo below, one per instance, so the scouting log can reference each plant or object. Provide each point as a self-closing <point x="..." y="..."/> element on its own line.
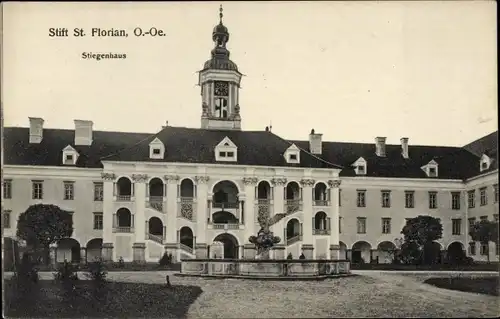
<point x="185" y="145"/>
<point x="486" y="145"/>
<point x="255" y="148"/>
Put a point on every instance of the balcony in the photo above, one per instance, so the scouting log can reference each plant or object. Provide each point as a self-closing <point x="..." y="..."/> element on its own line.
<point x="186" y="208"/>
<point x="156" y="238"/>
<point x="293" y="240"/>
<point x="321" y="232"/>
<point x="321" y="203"/>
<point x="123" y="229"/>
<point x="226" y="226"/>
<point x="321" y="224"/>
<point x="123" y="198"/>
<point x="226" y="205"/>
<point x="156" y="203"/>
<point x="292" y="206"/>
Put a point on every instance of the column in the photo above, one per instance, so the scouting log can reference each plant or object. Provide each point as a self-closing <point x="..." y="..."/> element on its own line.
<point x="53" y="255"/>
<point x="250" y="207"/>
<point x="201" y="216"/>
<point x="278" y="185"/>
<point x="307" y="208"/>
<point x="107" y="216"/>
<point x="139" y="246"/>
<point x="171" y="215"/>
<point x="335" y="214"/>
<point x="83" y="255"/>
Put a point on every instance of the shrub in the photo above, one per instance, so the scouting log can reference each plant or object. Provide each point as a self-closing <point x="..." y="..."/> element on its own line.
<point x="26" y="273"/>
<point x="166" y="259"/>
<point x="66" y="273"/>
<point x="121" y="262"/>
<point x="97" y="271"/>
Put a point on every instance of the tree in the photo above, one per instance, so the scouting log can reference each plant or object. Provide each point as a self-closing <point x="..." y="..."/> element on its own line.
<point x="421" y="232"/>
<point x="42" y="225"/>
<point x="484" y="231"/>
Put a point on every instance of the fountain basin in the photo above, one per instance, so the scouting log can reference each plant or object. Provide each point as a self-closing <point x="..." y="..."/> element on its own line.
<point x="282" y="269"/>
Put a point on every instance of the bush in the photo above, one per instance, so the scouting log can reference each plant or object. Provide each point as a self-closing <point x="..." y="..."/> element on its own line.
<point x="97" y="271"/>
<point x="26" y="273"/>
<point x="121" y="263"/>
<point x="166" y="259"/>
<point x="66" y="273"/>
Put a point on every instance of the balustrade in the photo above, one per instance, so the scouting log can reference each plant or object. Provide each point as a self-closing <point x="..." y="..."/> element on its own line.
<point x="123" y="230"/>
<point x="292" y="206"/>
<point x="186" y="208"/>
<point x="156" y="203"/>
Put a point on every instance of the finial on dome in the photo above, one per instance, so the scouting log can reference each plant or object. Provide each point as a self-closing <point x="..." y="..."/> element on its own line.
<point x="220" y="13"/>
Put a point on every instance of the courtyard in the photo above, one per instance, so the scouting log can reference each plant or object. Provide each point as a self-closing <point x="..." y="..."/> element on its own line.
<point x="369" y="294"/>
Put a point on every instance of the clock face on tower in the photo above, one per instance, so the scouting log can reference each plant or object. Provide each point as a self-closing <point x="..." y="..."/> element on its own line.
<point x="221" y="88"/>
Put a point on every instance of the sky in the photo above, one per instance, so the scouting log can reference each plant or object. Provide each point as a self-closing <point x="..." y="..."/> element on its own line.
<point x="350" y="70"/>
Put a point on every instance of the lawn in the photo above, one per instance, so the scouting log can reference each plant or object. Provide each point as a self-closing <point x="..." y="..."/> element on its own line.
<point x="116" y="300"/>
<point x="481" y="285"/>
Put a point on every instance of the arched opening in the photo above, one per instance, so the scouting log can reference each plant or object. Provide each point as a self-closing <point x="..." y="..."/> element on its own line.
<point x="263" y="190"/>
<point x="320" y="194"/>
<point x="293" y="229"/>
<point x="68" y="249"/>
<point x="225" y="195"/>
<point x="155" y="226"/>
<point x="124" y="186"/>
<point x="432" y="253"/>
<point x="224" y="217"/>
<point x="155" y="187"/>
<point x="124" y="218"/>
<point x="186" y="236"/>
<point x="187" y="188"/>
<point x="94" y="249"/>
<point x="361" y="252"/>
<point x="293" y="191"/>
<point x="385" y="252"/>
<point x="343" y="250"/>
<point x="455" y="254"/>
<point x="230" y="245"/>
<point x="320" y="221"/>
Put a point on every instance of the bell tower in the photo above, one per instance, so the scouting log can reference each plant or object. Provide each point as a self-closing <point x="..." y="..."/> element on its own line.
<point x="220" y="83"/>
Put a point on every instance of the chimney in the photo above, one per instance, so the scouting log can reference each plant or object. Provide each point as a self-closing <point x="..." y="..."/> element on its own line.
<point x="83" y="132"/>
<point x="315" y="143"/>
<point x="36" y="130"/>
<point x="404" y="147"/>
<point x="380" y="146"/>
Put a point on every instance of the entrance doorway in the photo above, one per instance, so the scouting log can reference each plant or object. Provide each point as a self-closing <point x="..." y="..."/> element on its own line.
<point x="231" y="248"/>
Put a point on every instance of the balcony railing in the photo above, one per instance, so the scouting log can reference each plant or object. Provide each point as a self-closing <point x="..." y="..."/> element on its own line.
<point x="263" y="209"/>
<point x="226" y="226"/>
<point x="186" y="208"/>
<point x="156" y="238"/>
<point x="227" y="205"/>
<point x="186" y="248"/>
<point x="293" y="239"/>
<point x="321" y="202"/>
<point x="292" y="206"/>
<point x="123" y="229"/>
<point x="321" y="232"/>
<point x="156" y="203"/>
<point x="123" y="198"/>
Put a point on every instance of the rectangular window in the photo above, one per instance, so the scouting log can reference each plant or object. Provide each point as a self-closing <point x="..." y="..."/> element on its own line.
<point x="483" y="218"/>
<point x="361" y="225"/>
<point x="6" y="219"/>
<point x="98" y="192"/>
<point x="293" y="157"/>
<point x="7" y="189"/>
<point x="432" y="172"/>
<point x="386" y="198"/>
<point x="432" y="200"/>
<point x="69" y="190"/>
<point x="230" y="154"/>
<point x="472" y="248"/>
<point x="483" y="196"/>
<point x="495" y="189"/>
<point x="472" y="221"/>
<point x="97" y="221"/>
<point x="222" y="154"/>
<point x="455" y="200"/>
<point x="484" y="249"/>
<point x="37" y="190"/>
<point x="340" y="225"/>
<point x="386" y="225"/>
<point x="156" y="151"/>
<point x="361" y="198"/>
<point x="409" y="199"/>
<point x="471" y="198"/>
<point x="497" y="249"/>
<point x="361" y="169"/>
<point x="340" y="197"/>
<point x="456" y="226"/>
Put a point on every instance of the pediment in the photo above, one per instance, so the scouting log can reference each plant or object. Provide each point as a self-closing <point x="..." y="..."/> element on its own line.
<point x="226" y="143"/>
<point x="156" y="141"/>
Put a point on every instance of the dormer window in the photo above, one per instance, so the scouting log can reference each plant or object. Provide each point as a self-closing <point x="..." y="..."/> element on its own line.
<point x="431" y="169"/>
<point x="156" y="149"/>
<point x="485" y="162"/>
<point x="360" y="166"/>
<point x="226" y="151"/>
<point x="292" y="155"/>
<point x="70" y="155"/>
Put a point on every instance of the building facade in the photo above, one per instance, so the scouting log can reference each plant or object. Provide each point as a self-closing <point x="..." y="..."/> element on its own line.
<point x="198" y="192"/>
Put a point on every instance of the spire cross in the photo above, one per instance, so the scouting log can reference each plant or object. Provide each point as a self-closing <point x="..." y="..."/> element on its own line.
<point x="220" y="14"/>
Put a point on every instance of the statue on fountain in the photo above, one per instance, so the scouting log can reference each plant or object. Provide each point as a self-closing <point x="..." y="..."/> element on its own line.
<point x="265" y="238"/>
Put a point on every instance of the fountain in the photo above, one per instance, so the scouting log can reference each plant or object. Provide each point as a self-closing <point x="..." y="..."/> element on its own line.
<point x="262" y="267"/>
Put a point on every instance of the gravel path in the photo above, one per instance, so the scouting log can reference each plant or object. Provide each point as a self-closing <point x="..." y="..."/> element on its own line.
<point x="371" y="294"/>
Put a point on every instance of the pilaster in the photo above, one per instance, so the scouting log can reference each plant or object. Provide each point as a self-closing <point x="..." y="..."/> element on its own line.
<point x="335" y="252"/>
<point x="307" y="208"/>
<point x="201" y="251"/>
<point x="140" y="204"/>
<point x="138" y="250"/>
<point x="308" y="251"/>
<point x="249" y="206"/>
<point x="201" y="210"/>
<point x="171" y="216"/>
<point x="278" y="184"/>
<point x="249" y="251"/>
<point x="335" y="215"/>
<point x="107" y="252"/>
<point x="279" y="251"/>
<point x="107" y="207"/>
<point x="171" y="248"/>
